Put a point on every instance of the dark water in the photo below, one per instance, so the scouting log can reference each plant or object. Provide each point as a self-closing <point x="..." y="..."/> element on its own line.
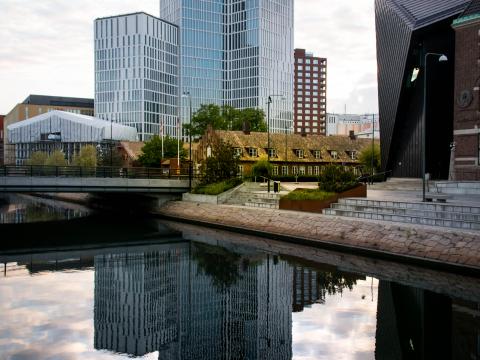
<point x="182" y="292"/>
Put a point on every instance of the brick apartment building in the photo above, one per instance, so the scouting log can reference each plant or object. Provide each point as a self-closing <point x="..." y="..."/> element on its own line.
<point x="310" y="93"/>
<point x="467" y="95"/>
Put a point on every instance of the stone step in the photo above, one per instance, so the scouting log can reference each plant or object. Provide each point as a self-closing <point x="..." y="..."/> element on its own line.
<point x="442" y="207"/>
<point x="446" y="215"/>
<point x="261" y="205"/>
<point x="404" y="219"/>
<point x="458" y="187"/>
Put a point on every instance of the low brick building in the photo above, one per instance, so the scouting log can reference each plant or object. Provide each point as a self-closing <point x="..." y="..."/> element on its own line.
<point x="467" y="95"/>
<point x="290" y="154"/>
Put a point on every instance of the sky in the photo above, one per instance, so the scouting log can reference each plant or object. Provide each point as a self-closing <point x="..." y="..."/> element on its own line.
<point x="47" y="47"/>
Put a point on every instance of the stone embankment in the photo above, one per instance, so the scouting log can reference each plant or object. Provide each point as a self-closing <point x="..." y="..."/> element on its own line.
<point x="437" y="247"/>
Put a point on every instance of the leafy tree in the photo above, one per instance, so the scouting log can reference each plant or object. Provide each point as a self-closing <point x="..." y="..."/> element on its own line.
<point x="57" y="158"/>
<point x="87" y="157"/>
<point x="37" y="158"/>
<point x="255" y="117"/>
<point x="262" y="168"/>
<point x="365" y="158"/>
<point x="152" y="151"/>
<point x="110" y="156"/>
<point x="222" y="165"/>
<point x="225" y="118"/>
<point x="336" y="179"/>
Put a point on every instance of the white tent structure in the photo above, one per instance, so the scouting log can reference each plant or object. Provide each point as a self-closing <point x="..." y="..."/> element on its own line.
<point x="60" y="130"/>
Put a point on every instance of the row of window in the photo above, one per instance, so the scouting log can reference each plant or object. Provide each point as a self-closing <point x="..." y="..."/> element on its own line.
<point x="312" y="61"/>
<point x="300" y="153"/>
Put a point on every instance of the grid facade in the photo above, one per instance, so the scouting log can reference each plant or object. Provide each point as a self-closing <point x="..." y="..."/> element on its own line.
<point x="236" y="52"/>
<point x="310" y="93"/>
<point x="136" y="73"/>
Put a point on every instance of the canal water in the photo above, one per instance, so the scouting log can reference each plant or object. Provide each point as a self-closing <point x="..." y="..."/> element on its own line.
<point x="162" y="290"/>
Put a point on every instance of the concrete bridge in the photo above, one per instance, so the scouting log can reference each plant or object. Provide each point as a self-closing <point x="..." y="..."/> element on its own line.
<point x="74" y="179"/>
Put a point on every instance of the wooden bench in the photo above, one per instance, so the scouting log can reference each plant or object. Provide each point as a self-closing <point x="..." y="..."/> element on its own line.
<point x="429" y="197"/>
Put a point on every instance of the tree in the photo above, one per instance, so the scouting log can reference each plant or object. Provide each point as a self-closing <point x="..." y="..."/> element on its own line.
<point x="255" y="117"/>
<point x="37" y="158"/>
<point x="222" y="165"/>
<point x="110" y="156"/>
<point x="152" y="151"/>
<point x="262" y="168"/>
<point x="57" y="158"/>
<point x="365" y="158"/>
<point x="87" y="157"/>
<point x="225" y="118"/>
<point x="207" y="115"/>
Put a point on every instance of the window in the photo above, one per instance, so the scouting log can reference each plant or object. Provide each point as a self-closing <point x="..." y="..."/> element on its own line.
<point x="237" y="152"/>
<point x="316" y="170"/>
<point x="275" y="171"/>
<point x="333" y="154"/>
<point x="317" y="154"/>
<point x="272" y="152"/>
<point x="299" y="153"/>
<point x="352" y="154"/>
<point x="284" y="170"/>
<point x="302" y="170"/>
<point x="252" y="152"/>
<point x="240" y="170"/>
<point x="310" y="170"/>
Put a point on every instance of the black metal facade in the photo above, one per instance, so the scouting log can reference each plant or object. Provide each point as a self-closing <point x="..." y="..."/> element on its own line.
<point x="406" y="30"/>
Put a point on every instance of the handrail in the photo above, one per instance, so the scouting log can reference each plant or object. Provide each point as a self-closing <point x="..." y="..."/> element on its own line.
<point x="369" y="178"/>
<point x="94" y="172"/>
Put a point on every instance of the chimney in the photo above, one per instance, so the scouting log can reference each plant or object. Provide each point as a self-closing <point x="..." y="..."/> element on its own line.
<point x="246" y="128"/>
<point x="352" y="135"/>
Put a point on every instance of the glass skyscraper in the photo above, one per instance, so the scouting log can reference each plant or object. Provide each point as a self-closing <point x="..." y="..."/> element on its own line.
<point x="236" y="52"/>
<point x="136" y="73"/>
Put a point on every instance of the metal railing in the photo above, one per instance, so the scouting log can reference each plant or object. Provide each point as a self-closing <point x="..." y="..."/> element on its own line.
<point x="94" y="172"/>
<point x="378" y="177"/>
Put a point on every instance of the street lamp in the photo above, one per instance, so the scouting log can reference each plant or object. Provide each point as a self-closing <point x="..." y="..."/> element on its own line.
<point x="373" y="147"/>
<point x="441" y="58"/>
<point x="269" y="101"/>
<point x="186" y="94"/>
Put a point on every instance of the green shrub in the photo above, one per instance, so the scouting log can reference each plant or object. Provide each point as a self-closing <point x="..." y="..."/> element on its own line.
<point x="217" y="188"/>
<point x="336" y="179"/>
<point x="308" y="194"/>
<point x="262" y="168"/>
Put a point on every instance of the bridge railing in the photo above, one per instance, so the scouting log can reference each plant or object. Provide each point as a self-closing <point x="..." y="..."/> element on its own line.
<point x="94" y="172"/>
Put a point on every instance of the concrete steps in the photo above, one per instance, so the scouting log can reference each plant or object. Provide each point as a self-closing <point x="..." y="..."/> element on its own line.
<point x="399" y="184"/>
<point x="433" y="214"/>
<point x="458" y="187"/>
<point x="254" y="195"/>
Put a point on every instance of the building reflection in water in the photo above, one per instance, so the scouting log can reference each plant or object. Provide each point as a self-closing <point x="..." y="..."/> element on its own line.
<point x="192" y="301"/>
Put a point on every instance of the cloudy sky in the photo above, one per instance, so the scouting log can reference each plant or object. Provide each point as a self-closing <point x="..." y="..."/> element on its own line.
<point x="47" y="47"/>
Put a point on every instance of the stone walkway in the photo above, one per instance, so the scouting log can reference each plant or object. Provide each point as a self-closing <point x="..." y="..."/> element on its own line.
<point x="454" y="247"/>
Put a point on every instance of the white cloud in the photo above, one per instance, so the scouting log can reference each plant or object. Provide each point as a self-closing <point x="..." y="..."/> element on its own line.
<point x="47" y="47"/>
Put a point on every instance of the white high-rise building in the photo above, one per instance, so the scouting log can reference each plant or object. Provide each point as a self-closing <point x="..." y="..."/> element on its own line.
<point x="136" y="73"/>
<point x="238" y="53"/>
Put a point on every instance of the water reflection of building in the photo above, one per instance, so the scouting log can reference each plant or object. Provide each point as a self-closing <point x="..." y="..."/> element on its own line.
<point x="413" y="323"/>
<point x="175" y="302"/>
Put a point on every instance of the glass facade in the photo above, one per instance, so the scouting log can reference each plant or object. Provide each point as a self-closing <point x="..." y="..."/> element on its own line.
<point x="136" y="73"/>
<point x="236" y="52"/>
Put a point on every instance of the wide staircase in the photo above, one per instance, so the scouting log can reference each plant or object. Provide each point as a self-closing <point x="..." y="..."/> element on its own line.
<point x="458" y="187"/>
<point x="255" y="195"/>
<point x="399" y="184"/>
<point x="433" y="214"/>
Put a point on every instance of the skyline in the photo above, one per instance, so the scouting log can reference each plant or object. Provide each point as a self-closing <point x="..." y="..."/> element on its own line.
<point x="53" y="54"/>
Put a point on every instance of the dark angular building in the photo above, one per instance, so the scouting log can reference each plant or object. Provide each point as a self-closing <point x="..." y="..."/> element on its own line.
<point x="467" y="94"/>
<point x="406" y="31"/>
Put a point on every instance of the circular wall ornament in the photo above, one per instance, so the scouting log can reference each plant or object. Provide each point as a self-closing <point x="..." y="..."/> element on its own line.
<point x="465" y="98"/>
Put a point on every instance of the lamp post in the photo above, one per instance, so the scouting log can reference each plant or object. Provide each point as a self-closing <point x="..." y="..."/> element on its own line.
<point x="187" y="94"/>
<point x="372" y="163"/>
<point x="269" y="101"/>
<point x="441" y="58"/>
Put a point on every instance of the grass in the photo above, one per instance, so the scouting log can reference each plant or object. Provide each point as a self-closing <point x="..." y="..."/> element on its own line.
<point x="217" y="188"/>
<point x="308" y="194"/>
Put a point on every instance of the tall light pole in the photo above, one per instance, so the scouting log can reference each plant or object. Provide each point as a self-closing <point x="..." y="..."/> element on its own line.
<point x="372" y="163"/>
<point x="441" y="58"/>
<point x="269" y="101"/>
<point x="190" y="166"/>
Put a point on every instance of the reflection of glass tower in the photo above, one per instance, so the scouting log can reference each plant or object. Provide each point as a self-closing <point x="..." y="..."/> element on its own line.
<point x="236" y="52"/>
<point x="164" y="301"/>
<point x="136" y="300"/>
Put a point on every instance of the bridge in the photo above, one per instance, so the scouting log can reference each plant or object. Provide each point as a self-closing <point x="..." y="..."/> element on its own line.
<point x="75" y="179"/>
